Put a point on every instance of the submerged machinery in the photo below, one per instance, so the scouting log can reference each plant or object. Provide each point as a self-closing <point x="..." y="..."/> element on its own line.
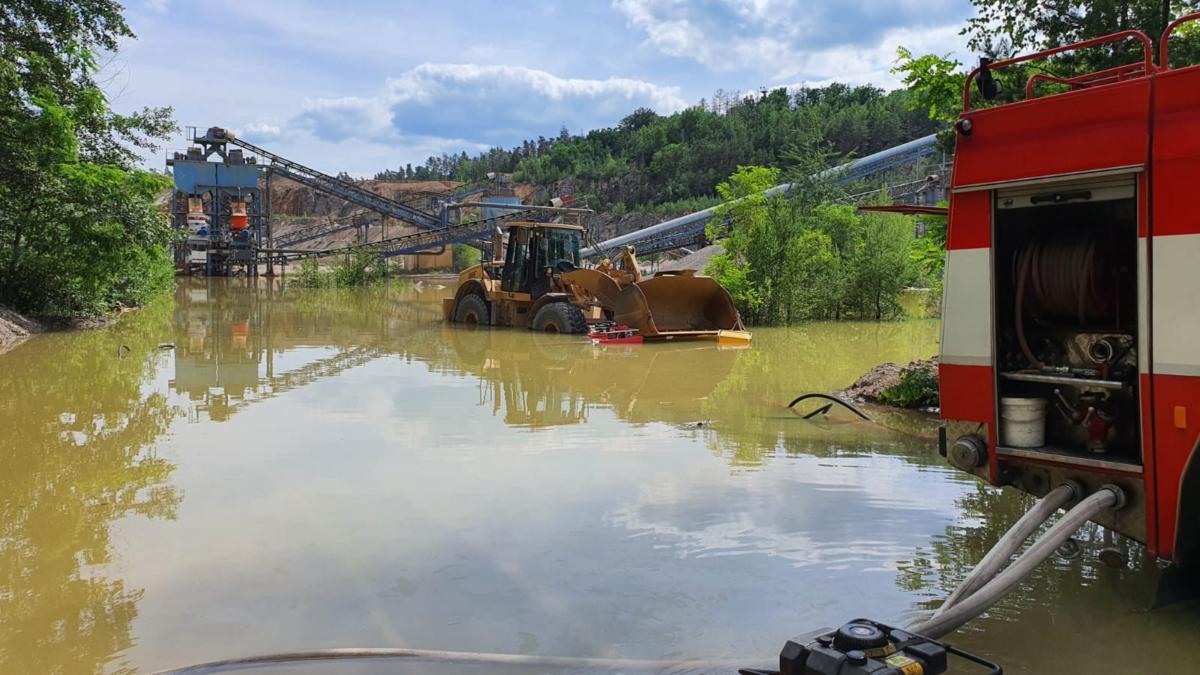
<point x="535" y="281"/>
<point x="1070" y="318"/>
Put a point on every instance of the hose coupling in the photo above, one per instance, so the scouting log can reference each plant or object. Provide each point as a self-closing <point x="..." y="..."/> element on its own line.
<point x="1120" y="494"/>
<point x="1078" y="491"/>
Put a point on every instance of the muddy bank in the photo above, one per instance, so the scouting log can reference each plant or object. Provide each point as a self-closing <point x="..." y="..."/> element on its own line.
<point x="16" y="328"/>
<point x="913" y="385"/>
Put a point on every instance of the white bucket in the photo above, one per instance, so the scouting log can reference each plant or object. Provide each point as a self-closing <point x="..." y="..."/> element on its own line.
<point x="1022" y="422"/>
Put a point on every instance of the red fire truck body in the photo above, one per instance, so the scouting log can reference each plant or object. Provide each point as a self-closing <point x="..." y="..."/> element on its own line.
<point x="1072" y="291"/>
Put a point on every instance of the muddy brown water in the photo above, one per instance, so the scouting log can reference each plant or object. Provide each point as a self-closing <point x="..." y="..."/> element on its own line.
<point x="311" y="469"/>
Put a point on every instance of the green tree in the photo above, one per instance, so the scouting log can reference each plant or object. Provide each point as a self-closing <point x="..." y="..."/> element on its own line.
<point x="466" y="256"/>
<point x="934" y="82"/>
<point x="79" y="228"/>
<point x="650" y="159"/>
<point x="881" y="266"/>
<point x="1004" y="27"/>
<point x="796" y="256"/>
<point x="760" y="229"/>
<point x="842" y="225"/>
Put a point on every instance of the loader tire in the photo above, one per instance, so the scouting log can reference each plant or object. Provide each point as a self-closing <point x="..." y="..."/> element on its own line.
<point x="559" y="317"/>
<point x="472" y="310"/>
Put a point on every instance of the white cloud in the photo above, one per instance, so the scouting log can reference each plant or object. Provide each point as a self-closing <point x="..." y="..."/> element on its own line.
<point x="798" y="40"/>
<point x="336" y="119"/>
<point x="482" y="104"/>
<point x="261" y="131"/>
<point x="873" y="64"/>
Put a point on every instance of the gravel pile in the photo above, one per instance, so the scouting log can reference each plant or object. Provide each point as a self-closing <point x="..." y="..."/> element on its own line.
<point x="14" y="328"/>
<point x="696" y="260"/>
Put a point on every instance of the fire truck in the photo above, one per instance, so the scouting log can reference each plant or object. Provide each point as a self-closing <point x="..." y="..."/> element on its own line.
<point x="1070" y="345"/>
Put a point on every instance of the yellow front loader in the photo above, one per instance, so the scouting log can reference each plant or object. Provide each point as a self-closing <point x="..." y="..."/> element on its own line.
<point x="540" y="285"/>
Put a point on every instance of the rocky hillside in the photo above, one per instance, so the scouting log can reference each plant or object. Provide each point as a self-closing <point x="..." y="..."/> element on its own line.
<point x="298" y="208"/>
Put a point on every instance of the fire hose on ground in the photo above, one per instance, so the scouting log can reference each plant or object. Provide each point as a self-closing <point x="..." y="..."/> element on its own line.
<point x="969" y="604"/>
<point x="988" y="582"/>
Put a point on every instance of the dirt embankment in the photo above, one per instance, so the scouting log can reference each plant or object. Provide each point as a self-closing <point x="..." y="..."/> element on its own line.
<point x="875" y="385"/>
<point x="15" y="328"/>
<point x="696" y="260"/>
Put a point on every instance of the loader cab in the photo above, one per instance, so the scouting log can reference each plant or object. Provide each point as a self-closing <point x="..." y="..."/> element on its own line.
<point x="535" y="251"/>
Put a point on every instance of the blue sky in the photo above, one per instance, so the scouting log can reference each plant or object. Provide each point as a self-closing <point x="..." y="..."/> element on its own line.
<point x="365" y="85"/>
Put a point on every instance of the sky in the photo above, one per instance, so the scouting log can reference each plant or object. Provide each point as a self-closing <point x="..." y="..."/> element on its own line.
<point x="365" y="85"/>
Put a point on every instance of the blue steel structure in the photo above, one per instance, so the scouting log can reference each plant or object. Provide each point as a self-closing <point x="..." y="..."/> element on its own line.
<point x="218" y="186"/>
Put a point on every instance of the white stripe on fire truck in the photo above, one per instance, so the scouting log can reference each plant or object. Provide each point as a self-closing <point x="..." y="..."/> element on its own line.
<point x="1176" y="304"/>
<point x="967" y="308"/>
<point x="1143" y="303"/>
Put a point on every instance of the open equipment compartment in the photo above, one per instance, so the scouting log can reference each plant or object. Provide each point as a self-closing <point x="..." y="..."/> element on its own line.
<point x="1067" y="332"/>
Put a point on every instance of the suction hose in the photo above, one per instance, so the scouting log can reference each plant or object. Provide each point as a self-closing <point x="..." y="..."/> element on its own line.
<point x="973" y="605"/>
<point x="1012" y="540"/>
<point x="540" y="663"/>
<point x="832" y="399"/>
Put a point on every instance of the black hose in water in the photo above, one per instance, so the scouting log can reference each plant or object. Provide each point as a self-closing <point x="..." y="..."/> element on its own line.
<point x="834" y="399"/>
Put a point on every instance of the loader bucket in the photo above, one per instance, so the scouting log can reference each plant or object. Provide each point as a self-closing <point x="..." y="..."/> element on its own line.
<point x="678" y="306"/>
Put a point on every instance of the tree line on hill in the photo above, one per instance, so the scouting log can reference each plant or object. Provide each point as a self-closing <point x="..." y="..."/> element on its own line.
<point x="650" y="159"/>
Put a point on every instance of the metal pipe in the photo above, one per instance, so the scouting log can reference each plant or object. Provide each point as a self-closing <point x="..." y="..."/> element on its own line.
<point x="1147" y="57"/>
<point x="667" y="225"/>
<point x="1107" y="497"/>
<point x="860" y="164"/>
<point x="1012" y="541"/>
<point x="515" y="207"/>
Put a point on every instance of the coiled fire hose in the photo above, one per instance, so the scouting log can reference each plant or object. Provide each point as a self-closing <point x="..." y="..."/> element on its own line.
<point x="1066" y="278"/>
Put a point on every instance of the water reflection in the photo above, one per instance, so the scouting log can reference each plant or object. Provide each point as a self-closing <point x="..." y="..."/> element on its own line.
<point x="358" y="472"/>
<point x="536" y="380"/>
<point x="240" y="341"/>
<point x="1072" y="614"/>
<point x="78" y="428"/>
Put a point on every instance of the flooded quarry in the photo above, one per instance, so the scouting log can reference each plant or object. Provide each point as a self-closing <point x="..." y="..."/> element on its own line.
<point x="244" y="468"/>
